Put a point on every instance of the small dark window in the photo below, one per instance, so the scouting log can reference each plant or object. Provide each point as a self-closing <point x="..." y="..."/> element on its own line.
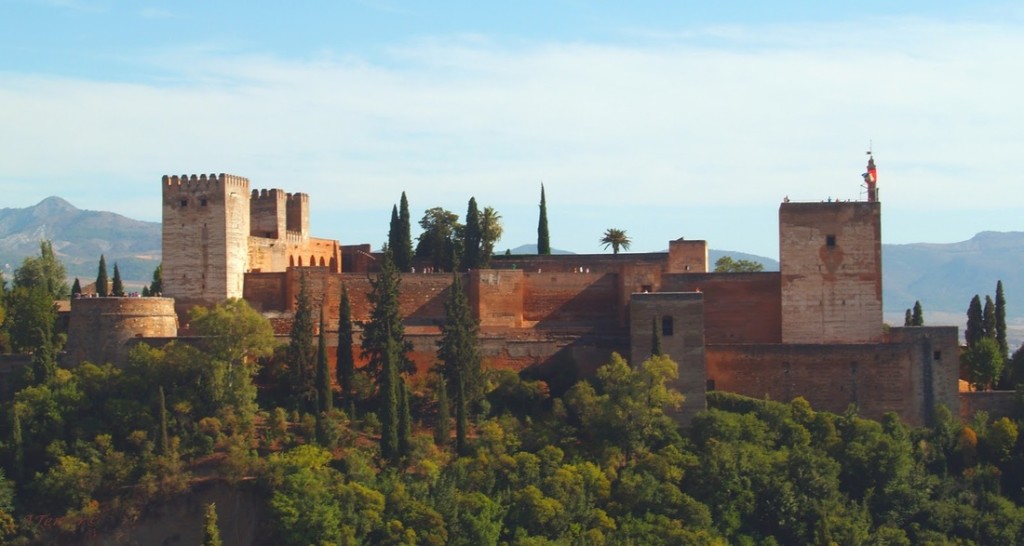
<point x="830" y="241"/>
<point x="646" y="288"/>
<point x="710" y="385"/>
<point x="666" y="326"/>
<point x="202" y="202"/>
<point x="184" y="203"/>
<point x="937" y="355"/>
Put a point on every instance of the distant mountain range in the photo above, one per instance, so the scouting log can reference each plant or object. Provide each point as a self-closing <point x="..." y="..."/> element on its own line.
<point x="943" y="277"/>
<point x="79" y="238"/>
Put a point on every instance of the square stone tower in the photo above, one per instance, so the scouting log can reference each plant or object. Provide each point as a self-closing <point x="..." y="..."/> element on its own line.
<point x="830" y="258"/>
<point x="206" y="228"/>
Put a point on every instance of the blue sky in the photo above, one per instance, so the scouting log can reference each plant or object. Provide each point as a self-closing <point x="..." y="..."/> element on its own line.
<point x="666" y="119"/>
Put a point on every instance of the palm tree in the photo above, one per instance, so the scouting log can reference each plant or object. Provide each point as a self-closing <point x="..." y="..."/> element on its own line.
<point x="615" y="238"/>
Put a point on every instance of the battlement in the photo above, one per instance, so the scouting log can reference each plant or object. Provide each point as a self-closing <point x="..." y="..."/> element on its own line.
<point x="205" y="181"/>
<point x="298" y="213"/>
<point x="267" y="195"/>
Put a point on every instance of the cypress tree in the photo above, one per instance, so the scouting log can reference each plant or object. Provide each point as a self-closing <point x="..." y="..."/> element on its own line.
<point x="404" y="419"/>
<point x="543" y="239"/>
<point x="157" y="286"/>
<point x="385" y="321"/>
<point x="1001" y="320"/>
<point x="17" y="445"/>
<point x="975" y="319"/>
<point x="325" y="399"/>
<point x="989" y="318"/>
<point x="908" y="318"/>
<point x="655" y="338"/>
<point x="917" y="319"/>
<point x="389" y="403"/>
<point x="211" y="531"/>
<point x="44" y="358"/>
<point x="395" y="233"/>
<point x="460" y="357"/>
<point x="165" y="443"/>
<point x="102" y="283"/>
<point x="443" y="430"/>
<point x="472" y="237"/>
<point x="346" y="366"/>
<point x="403" y="244"/>
<point x="301" y="357"/>
<point x="76" y="289"/>
<point x="117" y="289"/>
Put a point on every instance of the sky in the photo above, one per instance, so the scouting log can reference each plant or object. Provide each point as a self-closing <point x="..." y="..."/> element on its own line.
<point x="665" y="119"/>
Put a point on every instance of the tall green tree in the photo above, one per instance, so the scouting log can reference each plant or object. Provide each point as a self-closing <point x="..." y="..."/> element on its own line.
<point x="325" y="396"/>
<point x="394" y="231"/>
<point x="31" y="318"/>
<point x="211" y="531"/>
<point x="345" y="367"/>
<point x="615" y="238"/>
<point x="472" y="237"/>
<point x="44" y="359"/>
<point x="156" y="287"/>
<point x="490" y="233"/>
<point x="385" y="321"/>
<point x="917" y="318"/>
<point x="460" y="357"/>
<point x="300" y="354"/>
<point x="438" y="239"/>
<point x="389" y="403"/>
<point x="1000" y="313"/>
<point x="975" y="329"/>
<point x="76" y="289"/>
<point x="988" y="318"/>
<point x="117" y="285"/>
<point x="165" y="440"/>
<point x="404" y="419"/>
<point x="442" y="431"/>
<point x="908" y="318"/>
<point x="403" y="244"/>
<point x="45" y="271"/>
<point x="543" y="238"/>
<point x="984" y="363"/>
<point x="102" y="282"/>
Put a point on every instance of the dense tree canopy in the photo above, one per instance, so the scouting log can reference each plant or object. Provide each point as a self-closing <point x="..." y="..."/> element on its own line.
<point x="726" y="264"/>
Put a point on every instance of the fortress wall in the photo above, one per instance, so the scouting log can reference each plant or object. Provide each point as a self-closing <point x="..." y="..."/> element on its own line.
<point x="574" y="298"/>
<point x="566" y="263"/>
<point x="878" y="378"/>
<point x="100" y="327"/>
<point x="738" y="307"/>
<point x="996" y="404"/>
<point x="687" y="256"/>
<point x="356" y="258"/>
<point x="267" y="214"/>
<point x="497" y="297"/>
<point x="266" y="292"/>
<point x="267" y="255"/>
<point x="831" y="265"/>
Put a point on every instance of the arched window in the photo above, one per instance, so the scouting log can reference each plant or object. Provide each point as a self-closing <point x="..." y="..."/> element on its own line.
<point x="322" y="263"/>
<point x="291" y="261"/>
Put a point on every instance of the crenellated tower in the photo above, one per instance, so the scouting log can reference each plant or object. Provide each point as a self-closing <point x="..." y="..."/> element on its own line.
<point x="206" y="226"/>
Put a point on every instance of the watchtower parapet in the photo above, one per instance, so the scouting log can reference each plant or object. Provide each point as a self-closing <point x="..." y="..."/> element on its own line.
<point x="268" y="212"/>
<point x="298" y="213"/>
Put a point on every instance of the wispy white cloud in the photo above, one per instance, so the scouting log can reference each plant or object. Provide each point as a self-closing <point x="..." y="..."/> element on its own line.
<point x="733" y="118"/>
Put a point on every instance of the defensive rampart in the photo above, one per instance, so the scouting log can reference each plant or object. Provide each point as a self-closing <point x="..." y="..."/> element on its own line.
<point x="100" y="327"/>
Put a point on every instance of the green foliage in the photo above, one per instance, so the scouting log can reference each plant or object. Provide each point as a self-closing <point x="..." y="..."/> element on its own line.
<point x="975" y="329"/>
<point x="917" y="318"/>
<point x="76" y="290"/>
<point x="345" y="366"/>
<point x="442" y="431"/>
<point x="984" y="362"/>
<point x="385" y="322"/>
<point x="615" y="238"/>
<point x="459" y="355"/>
<point x="117" y="285"/>
<point x="472" y="238"/>
<point x="325" y="395"/>
<point x="211" y="532"/>
<point x="390" y="383"/>
<point x="301" y="355"/>
<point x="438" y="239"/>
<point x="31" y="317"/>
<point x="400" y="242"/>
<point x="102" y="282"/>
<point x="543" y="238"/>
<point x="726" y="264"/>
<point x="490" y="233"/>
<point x="156" y="287"/>
<point x="1000" y="320"/>
<point x="988" y="322"/>
<point x="46" y="272"/>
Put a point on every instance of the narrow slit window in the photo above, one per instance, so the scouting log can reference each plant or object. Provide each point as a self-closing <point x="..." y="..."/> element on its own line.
<point x="667" y="327"/>
<point x="830" y="241"/>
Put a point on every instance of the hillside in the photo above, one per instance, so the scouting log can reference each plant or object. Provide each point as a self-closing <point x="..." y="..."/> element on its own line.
<point x="79" y="237"/>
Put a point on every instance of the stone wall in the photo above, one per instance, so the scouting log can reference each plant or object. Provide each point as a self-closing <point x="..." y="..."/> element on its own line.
<point x="902" y="376"/>
<point x="570" y="300"/>
<point x="995" y="403"/>
<point x="99" y="328"/>
<point x="738" y="307"/>
<point x="830" y="257"/>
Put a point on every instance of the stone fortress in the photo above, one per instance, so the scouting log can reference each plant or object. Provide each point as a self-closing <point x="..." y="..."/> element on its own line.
<point x="812" y="329"/>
